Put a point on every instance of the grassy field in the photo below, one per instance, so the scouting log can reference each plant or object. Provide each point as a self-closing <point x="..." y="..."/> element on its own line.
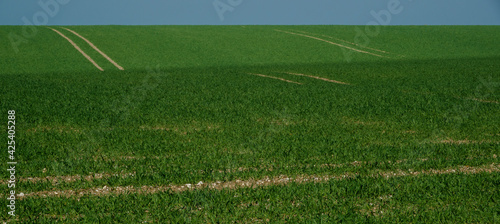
<point x="249" y="124"/>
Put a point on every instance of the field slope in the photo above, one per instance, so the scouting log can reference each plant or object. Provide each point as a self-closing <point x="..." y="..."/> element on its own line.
<point x="252" y="124"/>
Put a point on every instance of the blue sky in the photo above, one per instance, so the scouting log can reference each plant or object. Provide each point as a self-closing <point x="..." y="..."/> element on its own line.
<point x="233" y="12"/>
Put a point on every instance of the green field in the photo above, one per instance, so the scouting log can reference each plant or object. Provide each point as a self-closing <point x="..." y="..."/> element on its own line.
<point x="249" y="124"/>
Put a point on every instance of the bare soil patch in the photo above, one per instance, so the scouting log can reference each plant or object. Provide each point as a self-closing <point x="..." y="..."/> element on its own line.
<point x="79" y="49"/>
<point x="278" y="78"/>
<point x="95" y="48"/>
<point x="60" y="129"/>
<point x="320" y="78"/>
<point x="72" y="178"/>
<point x="253" y="183"/>
<point x="333" y="43"/>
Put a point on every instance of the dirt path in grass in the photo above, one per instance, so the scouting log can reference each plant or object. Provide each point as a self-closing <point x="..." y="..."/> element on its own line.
<point x="79" y="49"/>
<point x="253" y="183"/>
<point x="359" y="45"/>
<point x="95" y="48"/>
<point x="485" y="101"/>
<point x="278" y="78"/>
<point x="97" y="176"/>
<point x="454" y="96"/>
<point x="72" y="178"/>
<point x="320" y="78"/>
<point x="330" y="42"/>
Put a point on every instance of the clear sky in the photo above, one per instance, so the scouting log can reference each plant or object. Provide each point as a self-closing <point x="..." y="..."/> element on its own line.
<point x="233" y="12"/>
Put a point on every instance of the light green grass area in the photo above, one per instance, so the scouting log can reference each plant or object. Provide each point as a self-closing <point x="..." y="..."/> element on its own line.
<point x="188" y="108"/>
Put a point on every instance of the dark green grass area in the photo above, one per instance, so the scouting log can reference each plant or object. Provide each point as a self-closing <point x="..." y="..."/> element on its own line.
<point x="186" y="110"/>
<point x="219" y="119"/>
<point x="443" y="198"/>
